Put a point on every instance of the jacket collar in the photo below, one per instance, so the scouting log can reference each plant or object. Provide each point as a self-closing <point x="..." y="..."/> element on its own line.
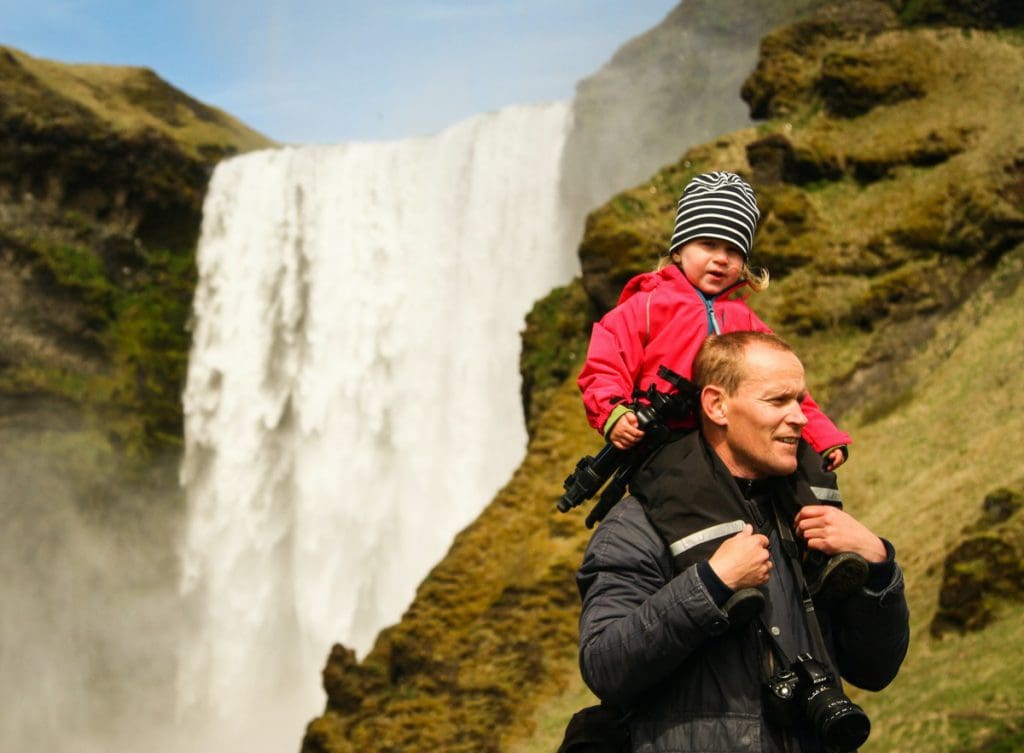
<point x="671" y="275"/>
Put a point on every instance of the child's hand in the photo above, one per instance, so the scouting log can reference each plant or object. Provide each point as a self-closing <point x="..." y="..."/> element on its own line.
<point x="834" y="459"/>
<point x="626" y="432"/>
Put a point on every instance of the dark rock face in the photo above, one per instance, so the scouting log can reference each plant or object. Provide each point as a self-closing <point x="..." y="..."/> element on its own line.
<point x="980" y="14"/>
<point x="985" y="572"/>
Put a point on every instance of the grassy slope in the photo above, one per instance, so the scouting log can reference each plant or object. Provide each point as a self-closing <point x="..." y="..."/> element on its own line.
<point x="125" y="99"/>
<point x="920" y="474"/>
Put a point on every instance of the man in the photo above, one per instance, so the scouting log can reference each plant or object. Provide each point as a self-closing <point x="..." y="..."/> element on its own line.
<point x="692" y="593"/>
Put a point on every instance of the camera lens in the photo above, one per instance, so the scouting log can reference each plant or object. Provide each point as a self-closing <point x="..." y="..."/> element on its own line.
<point x="843" y="725"/>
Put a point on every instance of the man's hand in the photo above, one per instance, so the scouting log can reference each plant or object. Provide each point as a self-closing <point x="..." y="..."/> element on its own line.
<point x="831" y="530"/>
<point x="742" y="561"/>
<point x="626" y="432"/>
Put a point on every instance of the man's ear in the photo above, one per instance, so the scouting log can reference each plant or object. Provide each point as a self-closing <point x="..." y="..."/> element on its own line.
<point x="714" y="404"/>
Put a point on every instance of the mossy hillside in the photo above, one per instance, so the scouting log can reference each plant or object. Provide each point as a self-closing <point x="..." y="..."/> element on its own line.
<point x="124" y="100"/>
<point x="555" y="336"/>
<point x="103" y="171"/>
<point x="922" y="474"/>
<point x="882" y="240"/>
<point x="900" y="288"/>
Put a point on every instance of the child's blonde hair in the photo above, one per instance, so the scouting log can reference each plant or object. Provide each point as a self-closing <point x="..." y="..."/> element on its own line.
<point x="757" y="278"/>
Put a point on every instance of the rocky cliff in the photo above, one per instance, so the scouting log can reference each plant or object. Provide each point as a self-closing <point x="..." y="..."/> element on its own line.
<point x="102" y="175"/>
<point x="891" y="177"/>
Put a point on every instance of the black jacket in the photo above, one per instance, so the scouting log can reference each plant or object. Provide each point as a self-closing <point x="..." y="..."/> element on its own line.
<point x="654" y="641"/>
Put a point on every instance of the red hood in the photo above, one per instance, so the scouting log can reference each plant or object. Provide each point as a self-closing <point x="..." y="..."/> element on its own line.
<point x="646" y="281"/>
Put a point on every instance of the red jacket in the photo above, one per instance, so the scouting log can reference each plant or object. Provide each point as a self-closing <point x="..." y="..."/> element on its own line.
<point x="662" y="319"/>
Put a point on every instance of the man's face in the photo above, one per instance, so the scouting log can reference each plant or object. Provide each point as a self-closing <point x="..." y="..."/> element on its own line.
<point x="763" y="417"/>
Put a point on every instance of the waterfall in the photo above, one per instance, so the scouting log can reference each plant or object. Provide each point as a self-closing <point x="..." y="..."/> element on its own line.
<point x="353" y="388"/>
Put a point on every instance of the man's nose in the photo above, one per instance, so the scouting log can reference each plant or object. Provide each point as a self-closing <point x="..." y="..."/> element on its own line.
<point x="796" y="416"/>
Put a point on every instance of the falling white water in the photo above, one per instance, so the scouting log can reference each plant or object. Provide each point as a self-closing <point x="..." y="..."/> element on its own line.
<point x="353" y="387"/>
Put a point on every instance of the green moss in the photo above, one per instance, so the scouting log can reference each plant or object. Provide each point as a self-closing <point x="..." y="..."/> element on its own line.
<point x="150" y="343"/>
<point x="555" y="338"/>
<point x="74" y="268"/>
<point x="133" y="325"/>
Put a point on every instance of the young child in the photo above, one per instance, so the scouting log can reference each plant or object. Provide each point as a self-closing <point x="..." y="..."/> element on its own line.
<point x="662" y="317"/>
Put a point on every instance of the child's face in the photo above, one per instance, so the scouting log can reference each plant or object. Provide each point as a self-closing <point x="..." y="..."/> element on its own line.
<point x="711" y="264"/>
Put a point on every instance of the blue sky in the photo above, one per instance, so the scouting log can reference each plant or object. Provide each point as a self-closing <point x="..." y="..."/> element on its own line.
<point x="323" y="71"/>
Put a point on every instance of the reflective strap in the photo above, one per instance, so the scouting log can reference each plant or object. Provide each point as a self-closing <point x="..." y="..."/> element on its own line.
<point x="708" y="534"/>
<point x="825" y="494"/>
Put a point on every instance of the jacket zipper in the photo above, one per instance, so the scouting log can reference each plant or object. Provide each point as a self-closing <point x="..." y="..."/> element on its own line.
<point x="709" y="310"/>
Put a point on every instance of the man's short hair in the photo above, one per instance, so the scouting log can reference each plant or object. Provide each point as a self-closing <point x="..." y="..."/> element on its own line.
<point x="720" y="358"/>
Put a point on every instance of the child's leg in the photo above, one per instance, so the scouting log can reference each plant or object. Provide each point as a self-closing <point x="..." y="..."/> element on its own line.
<point x="829" y="578"/>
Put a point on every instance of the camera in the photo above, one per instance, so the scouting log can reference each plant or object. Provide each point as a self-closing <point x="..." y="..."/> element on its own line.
<point x="653" y="416"/>
<point x="808" y="688"/>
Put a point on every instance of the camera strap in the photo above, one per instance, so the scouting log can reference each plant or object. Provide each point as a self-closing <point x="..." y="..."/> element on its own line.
<point x="792" y="552"/>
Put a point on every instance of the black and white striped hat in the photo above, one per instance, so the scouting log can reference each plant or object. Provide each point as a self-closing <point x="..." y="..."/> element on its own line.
<point x="716" y="205"/>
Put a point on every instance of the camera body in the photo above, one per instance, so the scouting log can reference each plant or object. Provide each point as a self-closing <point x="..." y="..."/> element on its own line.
<point x="808" y="690"/>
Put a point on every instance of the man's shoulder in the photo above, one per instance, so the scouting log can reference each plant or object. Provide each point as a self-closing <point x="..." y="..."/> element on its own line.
<point x="678" y="460"/>
<point x="626" y="526"/>
<point x="627" y="511"/>
<point x="675" y="451"/>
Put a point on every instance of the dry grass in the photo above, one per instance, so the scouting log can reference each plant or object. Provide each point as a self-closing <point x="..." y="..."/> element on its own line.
<point x="920" y="476"/>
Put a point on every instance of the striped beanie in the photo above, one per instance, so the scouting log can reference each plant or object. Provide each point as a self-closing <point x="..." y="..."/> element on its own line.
<point x="716" y="205"/>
